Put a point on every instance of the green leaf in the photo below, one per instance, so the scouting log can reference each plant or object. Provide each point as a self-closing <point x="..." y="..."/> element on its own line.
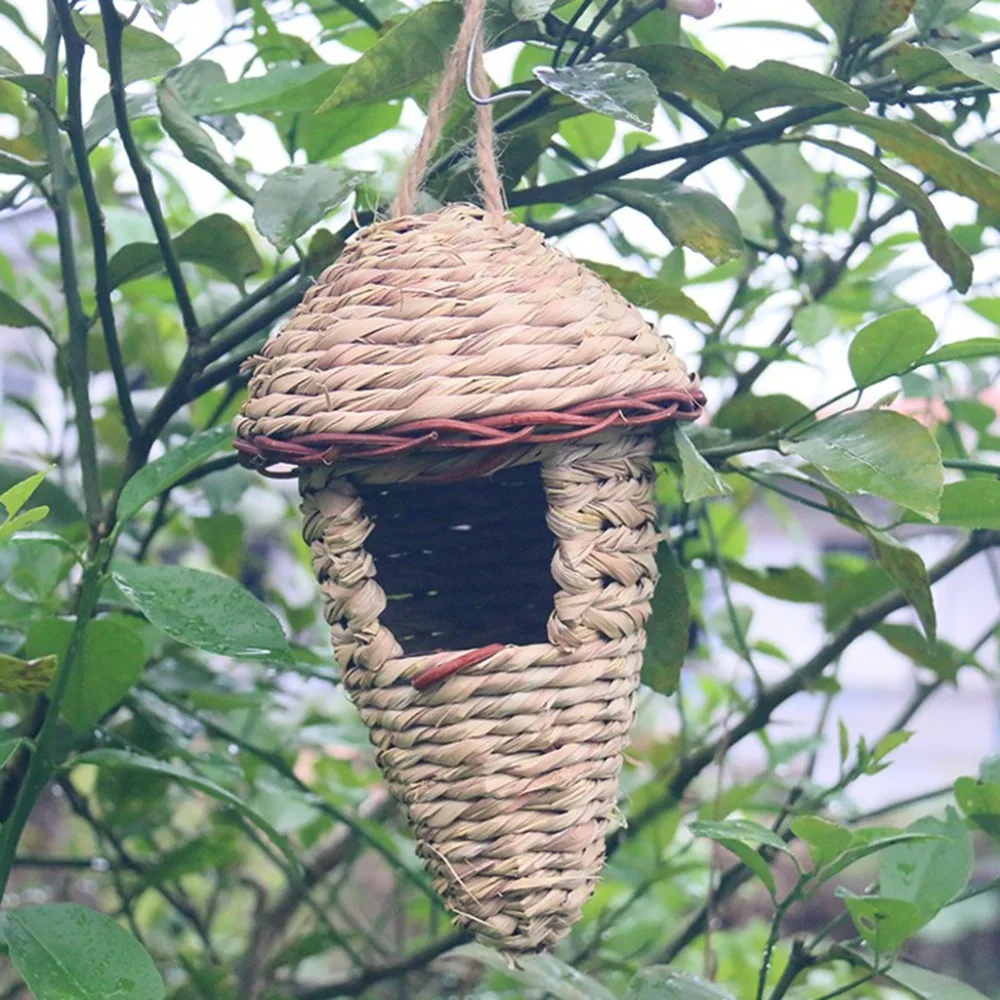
<point x="657" y="982"/>
<point x="144" y="54"/>
<point x="126" y="760"/>
<point x="884" y="923"/>
<point x="618" y="90"/>
<point x="32" y="676"/>
<point x="786" y="583"/>
<point x="943" y="248"/>
<point x="668" y="625"/>
<point x="927" y="985"/>
<point x="12" y="313"/>
<point x="749" y="416"/>
<point x="196" y="144"/>
<point x="204" y="610"/>
<point x="172" y="466"/>
<point x="686" y="216"/>
<point x="16" y="496"/>
<point x="867" y="842"/>
<point x="413" y="50"/>
<point x="742" y="837"/>
<point x="929" y="873"/>
<point x="825" y="840"/>
<point x="979" y="799"/>
<point x="217" y="241"/>
<point x="69" y="952"/>
<point x="296" y="198"/>
<point x="677" y="69"/>
<point x="908" y="572"/>
<point x="965" y="350"/>
<point x="699" y="478"/>
<point x="890" y="346"/>
<point x="746" y="831"/>
<point x="949" y="167"/>
<point x="284" y="89"/>
<point x="971" y="503"/>
<point x="931" y="14"/>
<point x="878" y="452"/>
<point x="859" y="20"/>
<point x="773" y="84"/>
<point x="943" y="658"/>
<point x="109" y="663"/>
<point x="546" y="973"/>
<point x="650" y="293"/>
<point x="333" y="133"/>
<point x="62" y="510"/>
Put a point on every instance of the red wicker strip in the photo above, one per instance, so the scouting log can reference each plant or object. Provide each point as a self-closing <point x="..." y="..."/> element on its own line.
<point x="267" y="454"/>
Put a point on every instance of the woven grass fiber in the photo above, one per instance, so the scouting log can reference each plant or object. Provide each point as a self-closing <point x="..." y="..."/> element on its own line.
<point x="507" y="769"/>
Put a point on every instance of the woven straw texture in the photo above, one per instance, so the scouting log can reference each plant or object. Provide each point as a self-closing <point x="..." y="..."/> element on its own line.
<point x="440" y="348"/>
<point x="508" y="769"/>
<point x="457" y="316"/>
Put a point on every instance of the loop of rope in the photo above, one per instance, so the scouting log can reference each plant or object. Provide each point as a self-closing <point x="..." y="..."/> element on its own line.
<point x="469" y="35"/>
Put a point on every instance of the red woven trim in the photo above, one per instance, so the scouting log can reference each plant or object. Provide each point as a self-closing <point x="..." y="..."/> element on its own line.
<point x="539" y="427"/>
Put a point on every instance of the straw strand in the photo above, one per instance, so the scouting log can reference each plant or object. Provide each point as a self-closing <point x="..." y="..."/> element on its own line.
<point x="437" y="116"/>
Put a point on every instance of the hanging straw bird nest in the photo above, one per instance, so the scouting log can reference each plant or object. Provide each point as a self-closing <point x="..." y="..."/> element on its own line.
<point x="468" y="412"/>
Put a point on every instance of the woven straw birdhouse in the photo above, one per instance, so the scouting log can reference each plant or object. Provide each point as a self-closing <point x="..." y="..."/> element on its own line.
<point x="469" y="414"/>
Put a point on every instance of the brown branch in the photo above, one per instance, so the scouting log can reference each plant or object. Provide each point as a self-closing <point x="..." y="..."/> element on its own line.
<point x="271" y="925"/>
<point x="358" y="985"/>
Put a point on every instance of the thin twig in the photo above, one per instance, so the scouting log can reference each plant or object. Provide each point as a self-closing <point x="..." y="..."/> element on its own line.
<point x="95" y="216"/>
<point x="113" y="29"/>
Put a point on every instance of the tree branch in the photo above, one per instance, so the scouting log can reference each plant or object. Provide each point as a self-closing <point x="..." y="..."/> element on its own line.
<point x="113" y="29"/>
<point x="358" y="985"/>
<point x="102" y="281"/>
<point x="78" y="367"/>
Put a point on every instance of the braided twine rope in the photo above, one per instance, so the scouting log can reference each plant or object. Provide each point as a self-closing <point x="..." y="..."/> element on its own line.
<point x="443" y="347"/>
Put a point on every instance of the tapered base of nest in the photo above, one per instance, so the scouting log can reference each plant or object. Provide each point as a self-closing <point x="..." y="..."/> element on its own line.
<point x="506" y="761"/>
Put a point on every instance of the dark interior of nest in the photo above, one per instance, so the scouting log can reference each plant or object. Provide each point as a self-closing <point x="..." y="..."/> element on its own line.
<point x="463" y="565"/>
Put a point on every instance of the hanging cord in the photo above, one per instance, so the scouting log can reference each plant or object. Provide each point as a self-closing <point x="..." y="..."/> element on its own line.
<point x="469" y="42"/>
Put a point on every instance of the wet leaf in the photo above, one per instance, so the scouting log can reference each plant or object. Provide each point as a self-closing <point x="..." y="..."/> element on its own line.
<point x="204" y="610"/>
<point x="68" y="952"/>
<point x="929" y="873"/>
<point x="885" y="924"/>
<point x="167" y="470"/>
<point x="109" y="663"/>
<point x="618" y="90"/>
<point x="657" y="982"/>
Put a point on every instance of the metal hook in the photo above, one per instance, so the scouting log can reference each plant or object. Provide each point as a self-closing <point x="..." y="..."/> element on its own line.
<point x="469" y="67"/>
